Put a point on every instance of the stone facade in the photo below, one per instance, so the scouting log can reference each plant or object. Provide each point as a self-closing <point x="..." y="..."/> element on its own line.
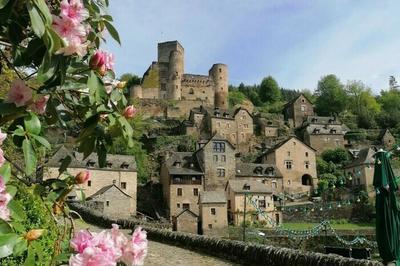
<point x="120" y="171"/>
<point x="217" y="159"/>
<point x="213" y="213"/>
<point x="387" y="140"/>
<point x="235" y="125"/>
<point x="165" y="79"/>
<point x="360" y="172"/>
<point x="182" y="181"/>
<point x="186" y="221"/>
<point x="267" y="175"/>
<point x="297" y="110"/>
<point x="297" y="164"/>
<point x="112" y="201"/>
<point x="323" y="133"/>
<point x="261" y="195"/>
<point x="268" y="128"/>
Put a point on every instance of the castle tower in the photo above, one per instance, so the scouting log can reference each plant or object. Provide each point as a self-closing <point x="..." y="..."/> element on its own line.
<point x="174" y="91"/>
<point x="136" y="91"/>
<point x="219" y="73"/>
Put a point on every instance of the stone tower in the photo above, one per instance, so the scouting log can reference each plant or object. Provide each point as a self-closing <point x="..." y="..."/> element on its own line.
<point x="171" y="68"/>
<point x="136" y="91"/>
<point x="219" y="74"/>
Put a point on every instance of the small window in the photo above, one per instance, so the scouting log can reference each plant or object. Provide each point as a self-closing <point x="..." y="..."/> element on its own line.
<point x="307" y="164"/>
<point x="191" y="91"/>
<point x="215" y="158"/>
<point x="246" y="126"/>
<point x="288" y="153"/>
<point x="195" y="192"/>
<point x="219" y="147"/>
<point x="213" y="212"/>
<point x="228" y="125"/>
<point x="303" y="108"/>
<point x="123" y="185"/>
<point x="179" y="192"/>
<point x="209" y="226"/>
<point x="186" y="206"/>
<point x="289" y="182"/>
<point x="229" y="204"/>
<point x="274" y="184"/>
<point x="221" y="172"/>
<point x="289" y="165"/>
<point x="89" y="183"/>
<point x="178" y="205"/>
<point x="223" y="158"/>
<point x="107" y="203"/>
<point x="218" y="124"/>
<point x="306" y="154"/>
<point x="261" y="203"/>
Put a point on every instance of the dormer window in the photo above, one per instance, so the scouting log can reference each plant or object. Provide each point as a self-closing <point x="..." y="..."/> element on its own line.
<point x="108" y="164"/>
<point x="246" y="187"/>
<point x="124" y="165"/>
<point x="216" y="113"/>
<point x="314" y="120"/>
<point x="90" y="163"/>
<point x="258" y="170"/>
<point x="333" y="130"/>
<point x="226" y="114"/>
<point x="270" y="171"/>
<point x="177" y="164"/>
<point x="191" y="165"/>
<point x="316" y="130"/>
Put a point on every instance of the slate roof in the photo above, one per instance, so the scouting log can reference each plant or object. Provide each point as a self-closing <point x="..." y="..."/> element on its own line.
<point x="383" y="132"/>
<point x="295" y="99"/>
<point x="188" y="164"/>
<point x="326" y="129"/>
<point x="114" y="161"/>
<point x="189" y="211"/>
<point x="216" y="112"/>
<point x="365" y="156"/>
<point x="313" y="119"/>
<point x="278" y="145"/>
<point x="255" y="186"/>
<point x="267" y="123"/>
<point x="104" y="189"/>
<point x="212" y="197"/>
<point x="257" y="170"/>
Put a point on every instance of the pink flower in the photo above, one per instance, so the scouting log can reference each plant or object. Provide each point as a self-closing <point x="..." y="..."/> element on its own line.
<point x="3" y="136"/>
<point x="5" y="214"/>
<point x="102" y="61"/>
<point x="135" y="251"/>
<point x="129" y="111"/>
<point x="4" y="200"/>
<point x="82" y="177"/>
<point x="92" y="256"/>
<point x="39" y="106"/>
<point x="19" y="94"/>
<point x="73" y="34"/>
<point x="118" y="237"/>
<point x="74" y="10"/>
<point x="2" y="184"/>
<point x="105" y="242"/>
<point x="81" y="240"/>
<point x="2" y="159"/>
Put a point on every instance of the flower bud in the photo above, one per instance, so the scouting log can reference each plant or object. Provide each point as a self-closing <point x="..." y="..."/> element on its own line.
<point x="33" y="234"/>
<point x="121" y="84"/>
<point x="97" y="61"/>
<point x="82" y="177"/>
<point x="129" y="111"/>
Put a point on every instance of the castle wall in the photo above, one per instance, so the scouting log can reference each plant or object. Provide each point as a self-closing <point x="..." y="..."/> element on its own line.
<point x="195" y="87"/>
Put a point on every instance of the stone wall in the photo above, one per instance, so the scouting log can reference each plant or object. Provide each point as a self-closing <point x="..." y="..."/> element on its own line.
<point x="236" y="251"/>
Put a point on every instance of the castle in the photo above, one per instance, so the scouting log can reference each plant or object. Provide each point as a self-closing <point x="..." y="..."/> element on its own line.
<point x="166" y="79"/>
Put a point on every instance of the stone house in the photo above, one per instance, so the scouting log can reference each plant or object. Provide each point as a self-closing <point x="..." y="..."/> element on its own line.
<point x="213" y="213"/>
<point x="296" y="161"/>
<point x="386" y="139"/>
<point x="268" y="128"/>
<point x="236" y="125"/>
<point x="323" y="133"/>
<point x="217" y="160"/>
<point x="267" y="174"/>
<point x="360" y="171"/>
<point x="186" y="221"/>
<point x="182" y="180"/>
<point x="111" y="201"/>
<point x="297" y="110"/>
<point x="258" y="198"/>
<point x="120" y="171"/>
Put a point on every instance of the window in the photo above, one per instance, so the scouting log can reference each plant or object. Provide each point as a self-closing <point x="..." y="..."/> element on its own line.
<point x="274" y="185"/>
<point x="223" y="158"/>
<point x="307" y="164"/>
<point x="218" y="146"/>
<point x="215" y="158"/>
<point x="179" y="192"/>
<point x="246" y="126"/>
<point x="209" y="226"/>
<point x="186" y="206"/>
<point x="261" y="203"/>
<point x="306" y="154"/>
<point x="288" y="165"/>
<point x="191" y="91"/>
<point x="163" y="86"/>
<point x="89" y="183"/>
<point x="195" y="192"/>
<point x="242" y="135"/>
<point x="358" y="181"/>
<point x="213" y="212"/>
<point x="229" y="204"/>
<point x="228" y="125"/>
<point x="234" y="136"/>
<point x="123" y="185"/>
<point x="221" y="172"/>
<point x="107" y="203"/>
<point x="218" y="124"/>
<point x="303" y="108"/>
<point x="289" y="182"/>
<point x="178" y="205"/>
<point x="288" y="153"/>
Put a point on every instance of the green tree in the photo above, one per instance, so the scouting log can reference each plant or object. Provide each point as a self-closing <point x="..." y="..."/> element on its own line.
<point x="363" y="104"/>
<point x="336" y="156"/>
<point x="331" y="96"/>
<point x="236" y="97"/>
<point x="390" y="103"/>
<point x="269" y="90"/>
<point x="309" y="95"/>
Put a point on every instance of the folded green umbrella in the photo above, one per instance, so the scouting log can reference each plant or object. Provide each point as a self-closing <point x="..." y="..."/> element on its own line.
<point x="387" y="209"/>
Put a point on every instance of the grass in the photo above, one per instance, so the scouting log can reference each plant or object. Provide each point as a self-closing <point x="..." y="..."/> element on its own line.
<point x="338" y="226"/>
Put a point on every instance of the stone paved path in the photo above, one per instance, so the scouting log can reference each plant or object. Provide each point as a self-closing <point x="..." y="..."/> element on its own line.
<point x="166" y="255"/>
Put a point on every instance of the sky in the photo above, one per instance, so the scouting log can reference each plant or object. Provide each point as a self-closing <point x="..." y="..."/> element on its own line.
<point x="296" y="42"/>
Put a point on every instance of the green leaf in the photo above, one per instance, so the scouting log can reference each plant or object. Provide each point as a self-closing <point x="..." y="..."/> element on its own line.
<point x="64" y="164"/>
<point x="96" y="88"/>
<point x="63" y="257"/>
<point x="29" y="157"/>
<point x="5" y="228"/>
<point x="36" y="20"/>
<point x="3" y="3"/>
<point x="48" y="68"/>
<point x="9" y="108"/>
<point x="19" y="131"/>
<point x="12" y="190"/>
<point x="17" y="211"/>
<point x="30" y="259"/>
<point x="42" y="141"/>
<point x="32" y="124"/>
<point x="20" y="246"/>
<point x="113" y="32"/>
<point x="5" y="172"/>
<point x="7" y="243"/>
<point x="41" y="5"/>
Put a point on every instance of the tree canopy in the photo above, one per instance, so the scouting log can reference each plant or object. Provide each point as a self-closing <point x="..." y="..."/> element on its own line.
<point x="269" y="90"/>
<point x="331" y="96"/>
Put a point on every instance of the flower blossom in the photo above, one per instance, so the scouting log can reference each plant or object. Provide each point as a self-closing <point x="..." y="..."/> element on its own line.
<point x="39" y="106"/>
<point x="73" y="9"/>
<point x="82" y="177"/>
<point x="135" y="251"/>
<point x="2" y="159"/>
<point x="129" y="111"/>
<point x="81" y="240"/>
<point x="19" y="93"/>
<point x="4" y="200"/>
<point x="3" y="136"/>
<point x="102" y="61"/>
<point x="92" y="256"/>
